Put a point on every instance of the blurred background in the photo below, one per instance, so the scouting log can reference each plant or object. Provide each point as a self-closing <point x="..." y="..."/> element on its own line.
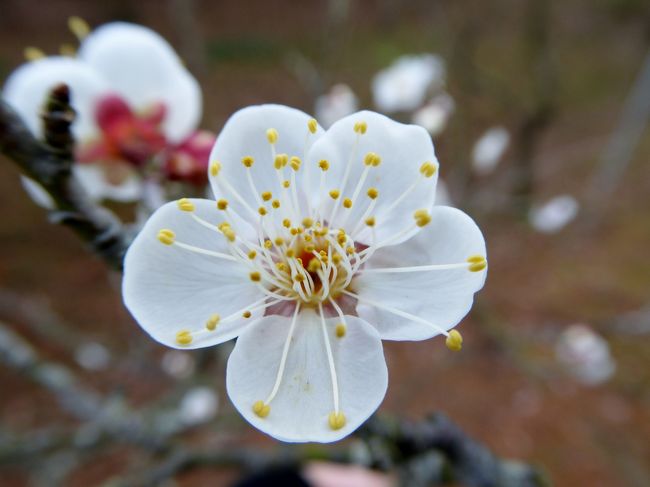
<point x="555" y="368"/>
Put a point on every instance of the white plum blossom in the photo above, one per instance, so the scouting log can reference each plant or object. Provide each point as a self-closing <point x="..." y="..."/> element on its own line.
<point x="339" y="102"/>
<point x="404" y="85"/>
<point x="585" y="355"/>
<point x="555" y="214"/>
<point x="132" y="96"/>
<point x="489" y="149"/>
<point x="320" y="245"/>
<point x="434" y="116"/>
<point x="199" y="405"/>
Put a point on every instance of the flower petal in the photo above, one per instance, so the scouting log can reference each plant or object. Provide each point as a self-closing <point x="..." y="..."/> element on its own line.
<point x="442" y="297"/>
<point x="300" y="410"/>
<point x="93" y="180"/>
<point x="245" y="135"/>
<point x="143" y="68"/>
<point x="402" y="149"/>
<point x="168" y="289"/>
<point x="27" y="88"/>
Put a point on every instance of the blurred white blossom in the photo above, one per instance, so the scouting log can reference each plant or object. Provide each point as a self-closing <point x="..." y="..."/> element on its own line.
<point x="554" y="215"/>
<point x="489" y="149"/>
<point x="434" y="116"/>
<point x="339" y="102"/>
<point x="92" y="356"/>
<point x="404" y="85"/>
<point x="199" y="405"/>
<point x="585" y="355"/>
<point x="179" y="365"/>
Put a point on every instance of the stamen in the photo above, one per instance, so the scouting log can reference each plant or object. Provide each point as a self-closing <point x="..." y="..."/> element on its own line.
<point x="454" y="341"/>
<point x="32" y="53"/>
<point x="166" y="236"/>
<point x="283" y="362"/>
<point x="482" y="264"/>
<point x="185" y="205"/>
<point x="212" y="322"/>
<point x="272" y="136"/>
<point x="396" y="311"/>
<point x="184" y="337"/>
<point x="335" y="385"/>
<point x="79" y="27"/>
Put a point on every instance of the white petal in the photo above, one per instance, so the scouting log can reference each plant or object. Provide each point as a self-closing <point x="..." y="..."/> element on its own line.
<point x="300" y="410"/>
<point x="443" y="198"/>
<point x="143" y="68"/>
<point x="434" y="115"/>
<point x="489" y="149"/>
<point x="555" y="214"/>
<point x="402" y="148"/>
<point x="442" y="297"/>
<point x="245" y="135"/>
<point x="403" y="85"/>
<point x="169" y="289"/>
<point x="93" y="180"/>
<point x="27" y="88"/>
<point x="339" y="102"/>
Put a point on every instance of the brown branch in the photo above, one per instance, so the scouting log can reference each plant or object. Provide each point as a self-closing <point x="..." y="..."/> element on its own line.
<point x="50" y="164"/>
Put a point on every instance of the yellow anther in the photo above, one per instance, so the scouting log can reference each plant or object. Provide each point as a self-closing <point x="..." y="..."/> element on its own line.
<point x="282" y="267"/>
<point x="372" y="159"/>
<point x="166" y="236"/>
<point x="267" y="195"/>
<point x="286" y="223"/>
<point x="370" y="221"/>
<point x="280" y="161"/>
<point x="308" y="238"/>
<point x="428" y="169"/>
<point x="336" y="420"/>
<point x="312" y="125"/>
<point x="79" y="27"/>
<point x="278" y="241"/>
<point x="334" y="194"/>
<point x="290" y="253"/>
<point x="421" y="217"/>
<point x="307" y="222"/>
<point x="336" y="258"/>
<point x="310" y="248"/>
<point x="324" y="165"/>
<point x="247" y="314"/>
<point x="67" y="50"/>
<point x="223" y="226"/>
<point x="294" y="231"/>
<point x="255" y="276"/>
<point x="33" y="53"/>
<point x="272" y="136"/>
<point x="183" y="337"/>
<point x="313" y="265"/>
<point x="347" y="203"/>
<point x="268" y="244"/>
<point x="454" y="341"/>
<point x="185" y="205"/>
<point x="222" y="204"/>
<point x="475" y="259"/>
<point x="229" y="234"/>
<point x="360" y="127"/>
<point x="261" y="410"/>
<point x="286" y="183"/>
<point x="212" y="322"/>
<point x="349" y="250"/>
<point x="295" y="163"/>
<point x="341" y="239"/>
<point x="340" y="330"/>
<point x="477" y="266"/>
<point x="248" y="161"/>
<point x="262" y="211"/>
<point x="275" y="204"/>
<point x="372" y="193"/>
<point x="215" y="168"/>
<point x="252" y="254"/>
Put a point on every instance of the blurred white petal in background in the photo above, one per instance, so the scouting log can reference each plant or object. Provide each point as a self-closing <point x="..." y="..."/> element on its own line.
<point x="179" y="365"/>
<point x="199" y="405"/>
<point x="585" y="355"/>
<point x="340" y="101"/>
<point x="554" y="215"/>
<point x="404" y="85"/>
<point x="92" y="356"/>
<point x="489" y="149"/>
<point x="434" y="116"/>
